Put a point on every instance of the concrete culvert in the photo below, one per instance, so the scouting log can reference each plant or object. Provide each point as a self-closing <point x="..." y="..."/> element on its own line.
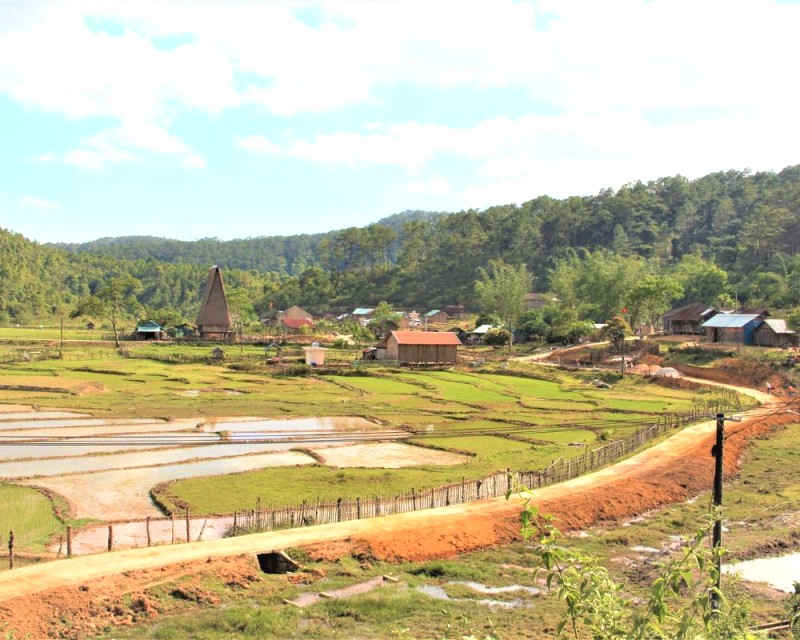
<point x="276" y="562"/>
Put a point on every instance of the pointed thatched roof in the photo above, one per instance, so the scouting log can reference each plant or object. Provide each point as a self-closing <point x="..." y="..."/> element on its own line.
<point x="214" y="316"/>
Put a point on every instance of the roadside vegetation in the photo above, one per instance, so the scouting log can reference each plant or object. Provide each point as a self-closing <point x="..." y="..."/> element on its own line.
<point x="760" y="517"/>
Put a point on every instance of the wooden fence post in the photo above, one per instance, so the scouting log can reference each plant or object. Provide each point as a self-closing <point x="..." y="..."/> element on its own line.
<point x="413" y="500"/>
<point x="11" y="549"/>
<point x="188" y="524"/>
<point x="235" y="516"/>
<point x="110" y="537"/>
<point x="69" y="541"/>
<point x="173" y="527"/>
<point x="338" y="510"/>
<point x="147" y="527"/>
<point x="358" y="508"/>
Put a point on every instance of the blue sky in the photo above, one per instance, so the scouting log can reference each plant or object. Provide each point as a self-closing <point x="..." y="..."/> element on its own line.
<point x="231" y="120"/>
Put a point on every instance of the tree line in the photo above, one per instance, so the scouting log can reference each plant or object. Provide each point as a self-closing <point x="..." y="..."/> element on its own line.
<point x="724" y="238"/>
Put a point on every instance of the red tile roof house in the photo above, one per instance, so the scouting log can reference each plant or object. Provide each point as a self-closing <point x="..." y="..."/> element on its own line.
<point x="423" y="347"/>
<point x="295" y="325"/>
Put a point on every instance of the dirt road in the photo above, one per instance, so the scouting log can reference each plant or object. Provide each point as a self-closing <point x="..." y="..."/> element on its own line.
<point x="633" y="484"/>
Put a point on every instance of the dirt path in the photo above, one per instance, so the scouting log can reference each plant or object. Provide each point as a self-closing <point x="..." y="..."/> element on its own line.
<point x="447" y="530"/>
<point x="82" y="594"/>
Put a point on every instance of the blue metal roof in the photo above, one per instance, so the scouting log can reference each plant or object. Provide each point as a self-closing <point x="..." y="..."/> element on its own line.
<point x="730" y="320"/>
<point x="362" y="311"/>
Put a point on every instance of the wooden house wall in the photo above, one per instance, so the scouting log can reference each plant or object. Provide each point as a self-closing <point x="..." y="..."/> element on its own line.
<point x="428" y="353"/>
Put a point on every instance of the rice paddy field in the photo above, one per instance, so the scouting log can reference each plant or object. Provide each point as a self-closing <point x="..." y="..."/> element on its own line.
<point x="444" y="426"/>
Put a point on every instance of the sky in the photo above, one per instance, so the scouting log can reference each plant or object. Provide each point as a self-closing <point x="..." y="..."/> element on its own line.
<point x="231" y="120"/>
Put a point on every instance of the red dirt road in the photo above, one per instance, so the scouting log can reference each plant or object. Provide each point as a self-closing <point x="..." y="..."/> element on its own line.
<point x="672" y="471"/>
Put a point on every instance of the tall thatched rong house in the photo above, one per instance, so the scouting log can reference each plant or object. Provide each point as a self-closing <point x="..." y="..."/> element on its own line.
<point x="214" y="320"/>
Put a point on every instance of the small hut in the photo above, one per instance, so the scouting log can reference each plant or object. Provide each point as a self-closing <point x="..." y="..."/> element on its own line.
<point x="214" y="320"/>
<point x="423" y="347"/>
<point x="775" y="333"/>
<point x="733" y="328"/>
<point x="149" y="330"/>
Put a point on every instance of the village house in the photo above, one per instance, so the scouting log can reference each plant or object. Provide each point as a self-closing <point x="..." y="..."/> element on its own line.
<point x="733" y="328"/>
<point x="775" y="333"/>
<point x="292" y="320"/>
<point x="214" y="319"/>
<point x="455" y="310"/>
<point x="363" y="315"/>
<point x="436" y="315"/>
<point x="687" y="320"/>
<point x="149" y="330"/>
<point x="423" y="347"/>
<point x="535" y="301"/>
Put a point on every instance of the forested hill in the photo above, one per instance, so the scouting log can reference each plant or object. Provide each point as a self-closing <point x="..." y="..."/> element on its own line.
<point x="283" y="254"/>
<point x="728" y="234"/>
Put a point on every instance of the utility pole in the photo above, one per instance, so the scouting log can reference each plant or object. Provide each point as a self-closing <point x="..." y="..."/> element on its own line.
<point x="717" y="451"/>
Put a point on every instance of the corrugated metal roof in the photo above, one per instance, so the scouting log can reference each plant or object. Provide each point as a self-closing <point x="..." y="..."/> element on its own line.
<point x="730" y="320"/>
<point x="778" y="326"/>
<point x="431" y="313"/>
<point x="426" y="337"/>
<point x="362" y="311"/>
<point x="482" y="329"/>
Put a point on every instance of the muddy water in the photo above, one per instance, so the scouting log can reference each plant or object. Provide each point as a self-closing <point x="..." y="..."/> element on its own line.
<point x="33" y="452"/>
<point x="781" y="572"/>
<point x="124" y="494"/>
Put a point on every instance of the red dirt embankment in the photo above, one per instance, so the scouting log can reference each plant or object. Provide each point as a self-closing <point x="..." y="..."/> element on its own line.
<point x="58" y="605"/>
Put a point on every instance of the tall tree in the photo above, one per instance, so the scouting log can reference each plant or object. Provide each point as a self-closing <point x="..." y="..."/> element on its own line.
<point x="115" y="298"/>
<point x="501" y="289"/>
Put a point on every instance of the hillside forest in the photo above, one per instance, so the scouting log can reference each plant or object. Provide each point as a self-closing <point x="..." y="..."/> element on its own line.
<point x="728" y="238"/>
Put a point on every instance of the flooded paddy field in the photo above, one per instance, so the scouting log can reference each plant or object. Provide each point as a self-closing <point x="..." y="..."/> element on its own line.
<point x="105" y="468"/>
<point x="124" y="494"/>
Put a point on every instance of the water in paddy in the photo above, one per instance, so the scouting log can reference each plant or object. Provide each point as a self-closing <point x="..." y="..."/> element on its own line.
<point x="780" y="572"/>
<point x="285" y="428"/>
<point x="40" y="415"/>
<point x="30" y="424"/>
<point x="60" y="466"/>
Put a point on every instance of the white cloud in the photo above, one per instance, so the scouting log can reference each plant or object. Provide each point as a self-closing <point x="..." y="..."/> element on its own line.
<point x="623" y="85"/>
<point x="194" y="161"/>
<point x="437" y="186"/>
<point x="257" y="144"/>
<point x="39" y="203"/>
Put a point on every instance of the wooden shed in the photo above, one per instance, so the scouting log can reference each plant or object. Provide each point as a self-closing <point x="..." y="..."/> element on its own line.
<point x="149" y="330"/>
<point x="423" y="347"/>
<point x="733" y="328"/>
<point x="436" y="315"/>
<point x="687" y="320"/>
<point x="775" y="333"/>
<point x="214" y="320"/>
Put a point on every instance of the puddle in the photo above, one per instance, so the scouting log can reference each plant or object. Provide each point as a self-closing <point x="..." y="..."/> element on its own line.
<point x="780" y="572"/>
<point x="641" y="549"/>
<point x="439" y="593"/>
<point x="194" y="393"/>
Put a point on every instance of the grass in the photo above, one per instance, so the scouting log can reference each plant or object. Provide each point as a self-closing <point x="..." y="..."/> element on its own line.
<point x="552" y="403"/>
<point x="760" y="509"/>
<point x="29" y="513"/>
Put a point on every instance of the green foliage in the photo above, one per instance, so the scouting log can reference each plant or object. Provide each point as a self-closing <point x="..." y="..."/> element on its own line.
<point x="497" y="337"/>
<point x="679" y="605"/>
<point x="501" y="289"/>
